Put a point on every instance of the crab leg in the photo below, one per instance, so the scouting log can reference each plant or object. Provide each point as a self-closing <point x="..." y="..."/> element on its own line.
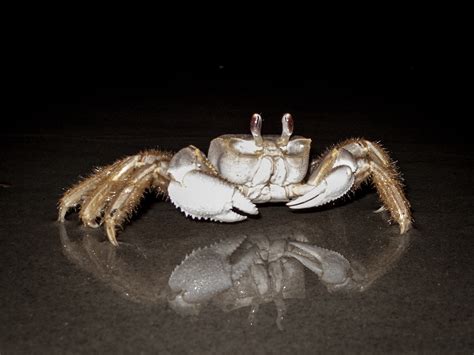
<point x="93" y="205"/>
<point x="80" y="191"/>
<point x="124" y="202"/>
<point x="344" y="168"/>
<point x="114" y="191"/>
<point x="383" y="172"/>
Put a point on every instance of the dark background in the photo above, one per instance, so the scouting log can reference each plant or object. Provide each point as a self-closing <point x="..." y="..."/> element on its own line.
<point x="398" y="71"/>
<point x="388" y="60"/>
<point x="414" y="70"/>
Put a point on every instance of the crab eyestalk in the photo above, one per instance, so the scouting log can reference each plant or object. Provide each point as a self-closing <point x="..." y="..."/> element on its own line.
<point x="287" y="129"/>
<point x="256" y="129"/>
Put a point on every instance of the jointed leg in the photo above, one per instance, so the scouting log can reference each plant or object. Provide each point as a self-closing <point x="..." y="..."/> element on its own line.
<point x="125" y="202"/>
<point x="79" y="192"/>
<point x="113" y="192"/>
<point x="376" y="164"/>
<point x="345" y="167"/>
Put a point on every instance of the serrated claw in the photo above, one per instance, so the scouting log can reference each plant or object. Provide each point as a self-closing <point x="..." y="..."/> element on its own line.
<point x="334" y="186"/>
<point x="229" y="217"/>
<point x="203" y="196"/>
<point x="201" y="193"/>
<point x="242" y="203"/>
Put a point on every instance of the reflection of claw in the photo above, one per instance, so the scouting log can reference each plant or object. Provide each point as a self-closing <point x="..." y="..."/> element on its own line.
<point x="333" y="269"/>
<point x="205" y="273"/>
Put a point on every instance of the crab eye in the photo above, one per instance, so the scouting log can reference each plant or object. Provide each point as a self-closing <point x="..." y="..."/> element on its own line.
<point x="256" y="128"/>
<point x="288" y="124"/>
<point x="287" y="129"/>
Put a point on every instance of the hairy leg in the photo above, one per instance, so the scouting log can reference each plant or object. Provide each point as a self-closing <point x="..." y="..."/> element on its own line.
<point x="112" y="193"/>
<point x="345" y="167"/>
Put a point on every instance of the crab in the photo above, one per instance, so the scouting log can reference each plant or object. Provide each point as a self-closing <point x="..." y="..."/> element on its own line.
<point x="240" y="171"/>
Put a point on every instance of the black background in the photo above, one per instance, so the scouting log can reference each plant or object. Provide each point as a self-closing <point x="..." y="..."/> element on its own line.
<point x="321" y="59"/>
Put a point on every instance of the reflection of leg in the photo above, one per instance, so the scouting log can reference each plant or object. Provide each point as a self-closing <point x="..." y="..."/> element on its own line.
<point x="378" y="265"/>
<point x="253" y="313"/>
<point x="88" y="252"/>
<point x="281" y="310"/>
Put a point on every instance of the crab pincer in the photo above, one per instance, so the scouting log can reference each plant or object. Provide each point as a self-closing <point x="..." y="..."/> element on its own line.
<point x="198" y="190"/>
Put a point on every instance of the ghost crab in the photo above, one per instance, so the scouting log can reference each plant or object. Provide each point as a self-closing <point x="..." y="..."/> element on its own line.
<point x="239" y="171"/>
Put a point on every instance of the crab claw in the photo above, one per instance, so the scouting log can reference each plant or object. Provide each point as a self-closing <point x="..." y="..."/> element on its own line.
<point x="205" y="273"/>
<point x="338" y="182"/>
<point x="332" y="268"/>
<point x="199" y="192"/>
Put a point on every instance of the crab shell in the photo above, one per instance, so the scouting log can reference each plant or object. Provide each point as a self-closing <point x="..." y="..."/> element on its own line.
<point x="274" y="163"/>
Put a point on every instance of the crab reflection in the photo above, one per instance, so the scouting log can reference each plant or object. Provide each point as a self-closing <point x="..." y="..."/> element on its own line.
<point x="245" y="270"/>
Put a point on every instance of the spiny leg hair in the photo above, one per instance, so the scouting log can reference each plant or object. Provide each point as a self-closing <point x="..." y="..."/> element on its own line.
<point x="112" y="193"/>
<point x="375" y="164"/>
